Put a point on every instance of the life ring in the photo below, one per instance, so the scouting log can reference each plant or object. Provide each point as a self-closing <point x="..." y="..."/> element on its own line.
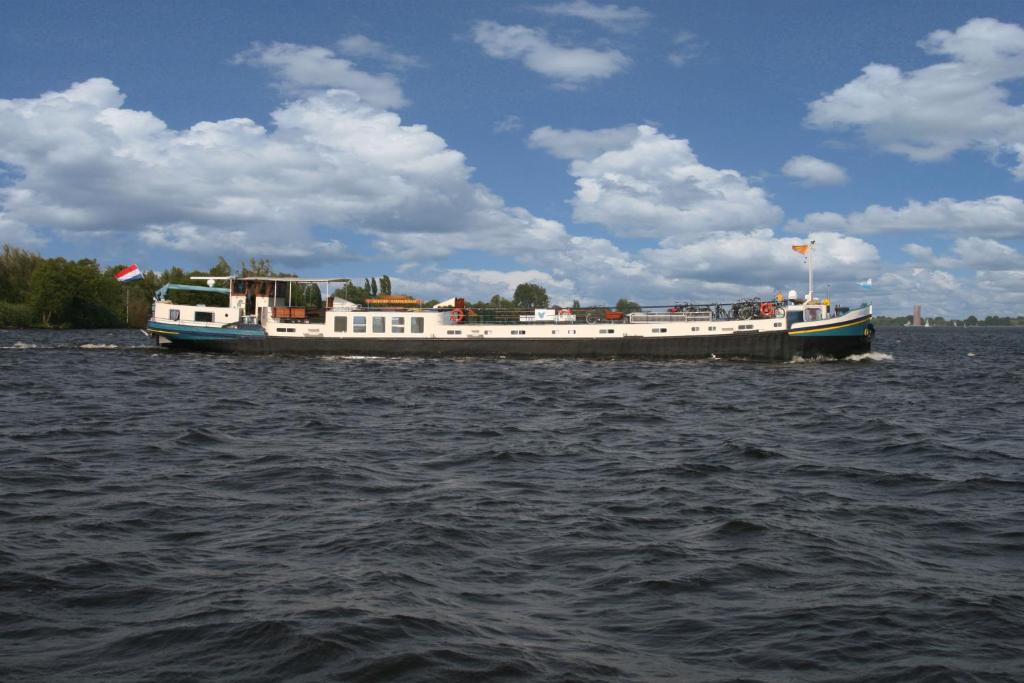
<point x="780" y="312"/>
<point x="457" y="315"/>
<point x="767" y="309"/>
<point x="564" y="311"/>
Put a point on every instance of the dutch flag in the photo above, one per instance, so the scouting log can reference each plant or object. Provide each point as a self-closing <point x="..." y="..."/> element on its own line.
<point x="130" y="273"/>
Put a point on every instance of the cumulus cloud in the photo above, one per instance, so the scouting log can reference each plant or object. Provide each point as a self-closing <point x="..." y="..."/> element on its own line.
<point x="760" y="258"/>
<point x="611" y="17"/>
<point x="970" y="252"/>
<point x="813" y="171"/>
<point x="928" y="114"/>
<point x="996" y="216"/>
<point x="330" y="160"/>
<point x="568" y="67"/>
<point x="582" y="144"/>
<point x="359" y="46"/>
<point x="305" y="69"/>
<point x="642" y="182"/>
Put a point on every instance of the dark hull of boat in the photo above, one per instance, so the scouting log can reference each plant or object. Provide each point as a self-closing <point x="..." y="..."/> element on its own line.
<point x="762" y="346"/>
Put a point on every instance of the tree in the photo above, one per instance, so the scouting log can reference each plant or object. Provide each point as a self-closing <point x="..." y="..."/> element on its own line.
<point x="529" y="295"/>
<point x="222" y="269"/>
<point x="627" y="306"/>
<point x="256" y="268"/>
<point x="16" y="268"/>
<point x="75" y="294"/>
<point x="373" y="286"/>
<point x="385" y="284"/>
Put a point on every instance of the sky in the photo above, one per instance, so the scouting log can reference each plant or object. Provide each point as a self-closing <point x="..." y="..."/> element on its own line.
<point x="657" y="151"/>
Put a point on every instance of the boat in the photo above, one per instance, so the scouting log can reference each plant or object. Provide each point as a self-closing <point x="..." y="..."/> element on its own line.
<point x="260" y="315"/>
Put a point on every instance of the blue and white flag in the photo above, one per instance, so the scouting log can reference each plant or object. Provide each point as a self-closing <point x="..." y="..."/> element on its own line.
<point x="866" y="284"/>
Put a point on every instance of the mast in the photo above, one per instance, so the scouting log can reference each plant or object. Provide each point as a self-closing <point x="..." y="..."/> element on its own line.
<point x="810" y="272"/>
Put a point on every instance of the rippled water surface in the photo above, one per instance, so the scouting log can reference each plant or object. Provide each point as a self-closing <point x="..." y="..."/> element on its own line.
<point x="206" y="517"/>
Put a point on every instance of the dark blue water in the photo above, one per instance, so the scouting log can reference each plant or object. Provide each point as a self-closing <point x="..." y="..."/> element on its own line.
<point x="203" y="517"/>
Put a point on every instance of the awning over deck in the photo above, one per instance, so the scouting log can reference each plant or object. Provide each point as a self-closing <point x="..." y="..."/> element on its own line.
<point x="161" y="293"/>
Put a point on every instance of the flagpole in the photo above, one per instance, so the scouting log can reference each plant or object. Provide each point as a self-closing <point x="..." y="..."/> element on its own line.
<point x="810" y="272"/>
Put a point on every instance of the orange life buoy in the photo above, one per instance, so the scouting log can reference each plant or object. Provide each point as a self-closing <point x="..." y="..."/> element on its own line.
<point x="767" y="309"/>
<point x="564" y="311"/>
<point x="457" y="315"/>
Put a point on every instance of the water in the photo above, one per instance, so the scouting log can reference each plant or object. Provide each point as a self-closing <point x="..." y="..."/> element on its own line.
<point x="203" y="517"/>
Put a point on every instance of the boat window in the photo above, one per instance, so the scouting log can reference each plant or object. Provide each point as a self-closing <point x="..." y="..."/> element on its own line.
<point x="712" y="328"/>
<point x="607" y="331"/>
<point x="454" y="331"/>
<point x="378" y="323"/>
<point x="398" y="325"/>
<point x="175" y="314"/>
<point x="359" y="323"/>
<point x="417" y="325"/>
<point x="746" y="327"/>
<point x="694" y="329"/>
<point x="812" y="314"/>
<point x="341" y="323"/>
<point x="518" y="331"/>
<point x="778" y="324"/>
<point x="203" y="317"/>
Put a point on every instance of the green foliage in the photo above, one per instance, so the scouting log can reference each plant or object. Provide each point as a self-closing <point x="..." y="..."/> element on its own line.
<point x="15" y="315"/>
<point x="16" y="268"/>
<point x="307" y="295"/>
<point x="529" y="295"/>
<point x="627" y="306"/>
<point x="255" y="268"/>
<point x="373" y="286"/>
<point x="222" y="267"/>
<point x="351" y="292"/>
<point x="385" y="284"/>
<point x="74" y="294"/>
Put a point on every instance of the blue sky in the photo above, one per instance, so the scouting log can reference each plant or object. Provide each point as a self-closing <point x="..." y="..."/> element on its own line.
<point x="657" y="151"/>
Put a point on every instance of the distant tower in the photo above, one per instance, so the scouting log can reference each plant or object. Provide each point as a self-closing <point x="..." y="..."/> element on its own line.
<point x="917" y="315"/>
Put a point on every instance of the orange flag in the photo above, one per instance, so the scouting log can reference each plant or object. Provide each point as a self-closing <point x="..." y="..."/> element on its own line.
<point x="801" y="248"/>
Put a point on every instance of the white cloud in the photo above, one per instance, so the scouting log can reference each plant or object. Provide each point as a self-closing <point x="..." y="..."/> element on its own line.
<point x="16" y="232"/>
<point x="582" y="144"/>
<point x="975" y="252"/>
<point x="303" y="69"/>
<point x="330" y="160"/>
<point x="611" y="17"/>
<point x="928" y="114"/>
<point x="814" y="171"/>
<point x="996" y="216"/>
<point x="360" y="46"/>
<point x="508" y="124"/>
<point x="654" y="185"/>
<point x="760" y="259"/>
<point x="569" y="67"/>
<point x="685" y="48"/>
<point x="970" y="252"/>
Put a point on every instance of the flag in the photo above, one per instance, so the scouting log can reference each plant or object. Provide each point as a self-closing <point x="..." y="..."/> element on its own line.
<point x="801" y="248"/>
<point x="130" y="273"/>
<point x="866" y="284"/>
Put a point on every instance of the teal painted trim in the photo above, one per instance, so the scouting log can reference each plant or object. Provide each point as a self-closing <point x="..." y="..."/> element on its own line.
<point x="194" y="332"/>
<point x="856" y="330"/>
